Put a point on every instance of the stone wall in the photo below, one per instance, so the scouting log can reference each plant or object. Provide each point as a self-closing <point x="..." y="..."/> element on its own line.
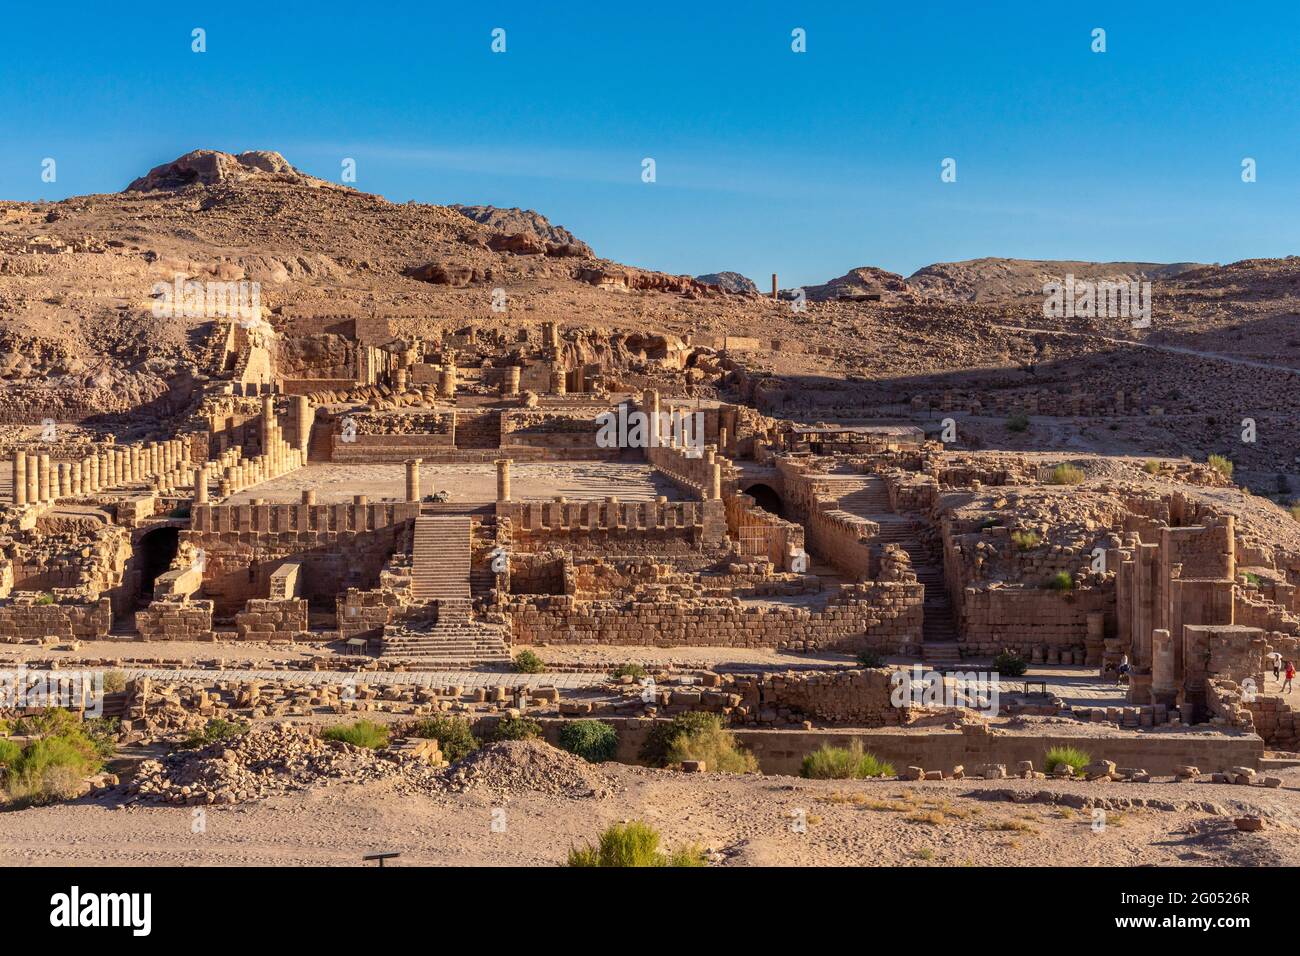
<point x="339" y="546"/>
<point x="263" y="619"/>
<point x="175" y="619"/>
<point x="885" y="616"/>
<point x="21" y="618"/>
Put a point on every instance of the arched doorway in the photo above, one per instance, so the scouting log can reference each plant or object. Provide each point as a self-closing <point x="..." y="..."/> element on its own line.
<point x="766" y="498"/>
<point x="154" y="554"/>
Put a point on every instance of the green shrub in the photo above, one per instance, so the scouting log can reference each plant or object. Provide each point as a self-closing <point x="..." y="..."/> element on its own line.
<point x="526" y="662"/>
<point x="45" y="599"/>
<point x="1010" y="664"/>
<point x="592" y="740"/>
<point x="363" y="733"/>
<point x="633" y="844"/>
<point x="1072" y="757"/>
<point x="455" y="739"/>
<point x="1026" y="540"/>
<point x="218" y="728"/>
<point x="713" y="744"/>
<point x="868" y="657"/>
<point x="635" y="671"/>
<point x="1253" y="579"/>
<point x="51" y="767"/>
<point x="1018" y="422"/>
<point x="1152" y="467"/>
<point x="1220" y="464"/>
<point x="1061" y="581"/>
<point x="654" y="750"/>
<point x="114" y="682"/>
<point x="10" y="753"/>
<point x="1065" y="474"/>
<point x="844" y="763"/>
<point x="517" y="728"/>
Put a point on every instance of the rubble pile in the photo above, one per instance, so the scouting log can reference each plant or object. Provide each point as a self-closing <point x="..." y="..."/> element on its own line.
<point x="515" y="766"/>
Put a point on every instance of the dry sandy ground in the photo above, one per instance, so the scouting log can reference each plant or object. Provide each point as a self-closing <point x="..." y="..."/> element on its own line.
<point x="578" y="481"/>
<point x="741" y="820"/>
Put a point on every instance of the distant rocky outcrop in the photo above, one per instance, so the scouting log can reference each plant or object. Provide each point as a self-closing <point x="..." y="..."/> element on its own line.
<point x="729" y="282"/>
<point x="525" y="232"/>
<point x="209" y="167"/>
<point x="864" y="283"/>
<point x="992" y="279"/>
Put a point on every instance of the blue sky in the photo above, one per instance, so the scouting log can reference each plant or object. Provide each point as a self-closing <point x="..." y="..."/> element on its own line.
<point x="767" y="161"/>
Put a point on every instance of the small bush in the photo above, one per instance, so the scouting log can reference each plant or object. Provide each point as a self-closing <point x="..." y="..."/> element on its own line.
<point x="363" y="733"/>
<point x="114" y="682"/>
<point x="526" y="662"/>
<point x="844" y="763"/>
<point x="1018" y="422"/>
<point x="715" y="746"/>
<point x="218" y="728"/>
<point x="633" y="844"/>
<point x="1071" y="757"/>
<point x="1152" y="467"/>
<point x="1026" y="540"/>
<point x="1065" y="474"/>
<point x="696" y="736"/>
<point x="593" y="740"/>
<point x="635" y="671"/>
<point x="517" y="728"/>
<point x="1010" y="664"/>
<point x="1253" y="579"/>
<point x="455" y="739"/>
<point x="1220" y="464"/>
<point x="45" y="599"/>
<point x="53" y="766"/>
<point x="1061" y="581"/>
<point x="654" y="751"/>
<point x="870" y="658"/>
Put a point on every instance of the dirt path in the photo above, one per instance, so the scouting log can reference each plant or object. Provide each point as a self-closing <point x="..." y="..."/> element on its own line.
<point x="1155" y="346"/>
<point x="750" y="820"/>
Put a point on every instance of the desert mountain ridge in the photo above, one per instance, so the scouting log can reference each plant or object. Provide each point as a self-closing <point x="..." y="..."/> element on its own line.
<point x="78" y="281"/>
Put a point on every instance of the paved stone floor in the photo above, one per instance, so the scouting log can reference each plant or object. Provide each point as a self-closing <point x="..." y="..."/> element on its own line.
<point x="467" y="679"/>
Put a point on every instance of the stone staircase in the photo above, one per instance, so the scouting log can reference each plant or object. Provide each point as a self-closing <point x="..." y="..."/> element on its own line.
<point x="940" y="649"/>
<point x="440" y="558"/>
<point x="441" y="575"/>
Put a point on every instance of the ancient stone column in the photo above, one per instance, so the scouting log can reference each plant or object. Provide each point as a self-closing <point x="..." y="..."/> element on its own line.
<point x="413" y="479"/>
<point x="557" y="380"/>
<point x="447" y="380"/>
<point x="715" y="481"/>
<point x="33" y="478"/>
<point x="43" y="477"/>
<point x="302" y="418"/>
<point x="201" y="485"/>
<point x="650" y="405"/>
<point x="20" y="477"/>
<point x="268" y="423"/>
<point x="510" y="381"/>
<point x="65" y="480"/>
<point x="503" y="479"/>
<point x="309" y="496"/>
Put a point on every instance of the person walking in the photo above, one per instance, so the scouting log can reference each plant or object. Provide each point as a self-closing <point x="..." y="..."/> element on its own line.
<point x="1290" y="675"/>
<point x="1275" y="659"/>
